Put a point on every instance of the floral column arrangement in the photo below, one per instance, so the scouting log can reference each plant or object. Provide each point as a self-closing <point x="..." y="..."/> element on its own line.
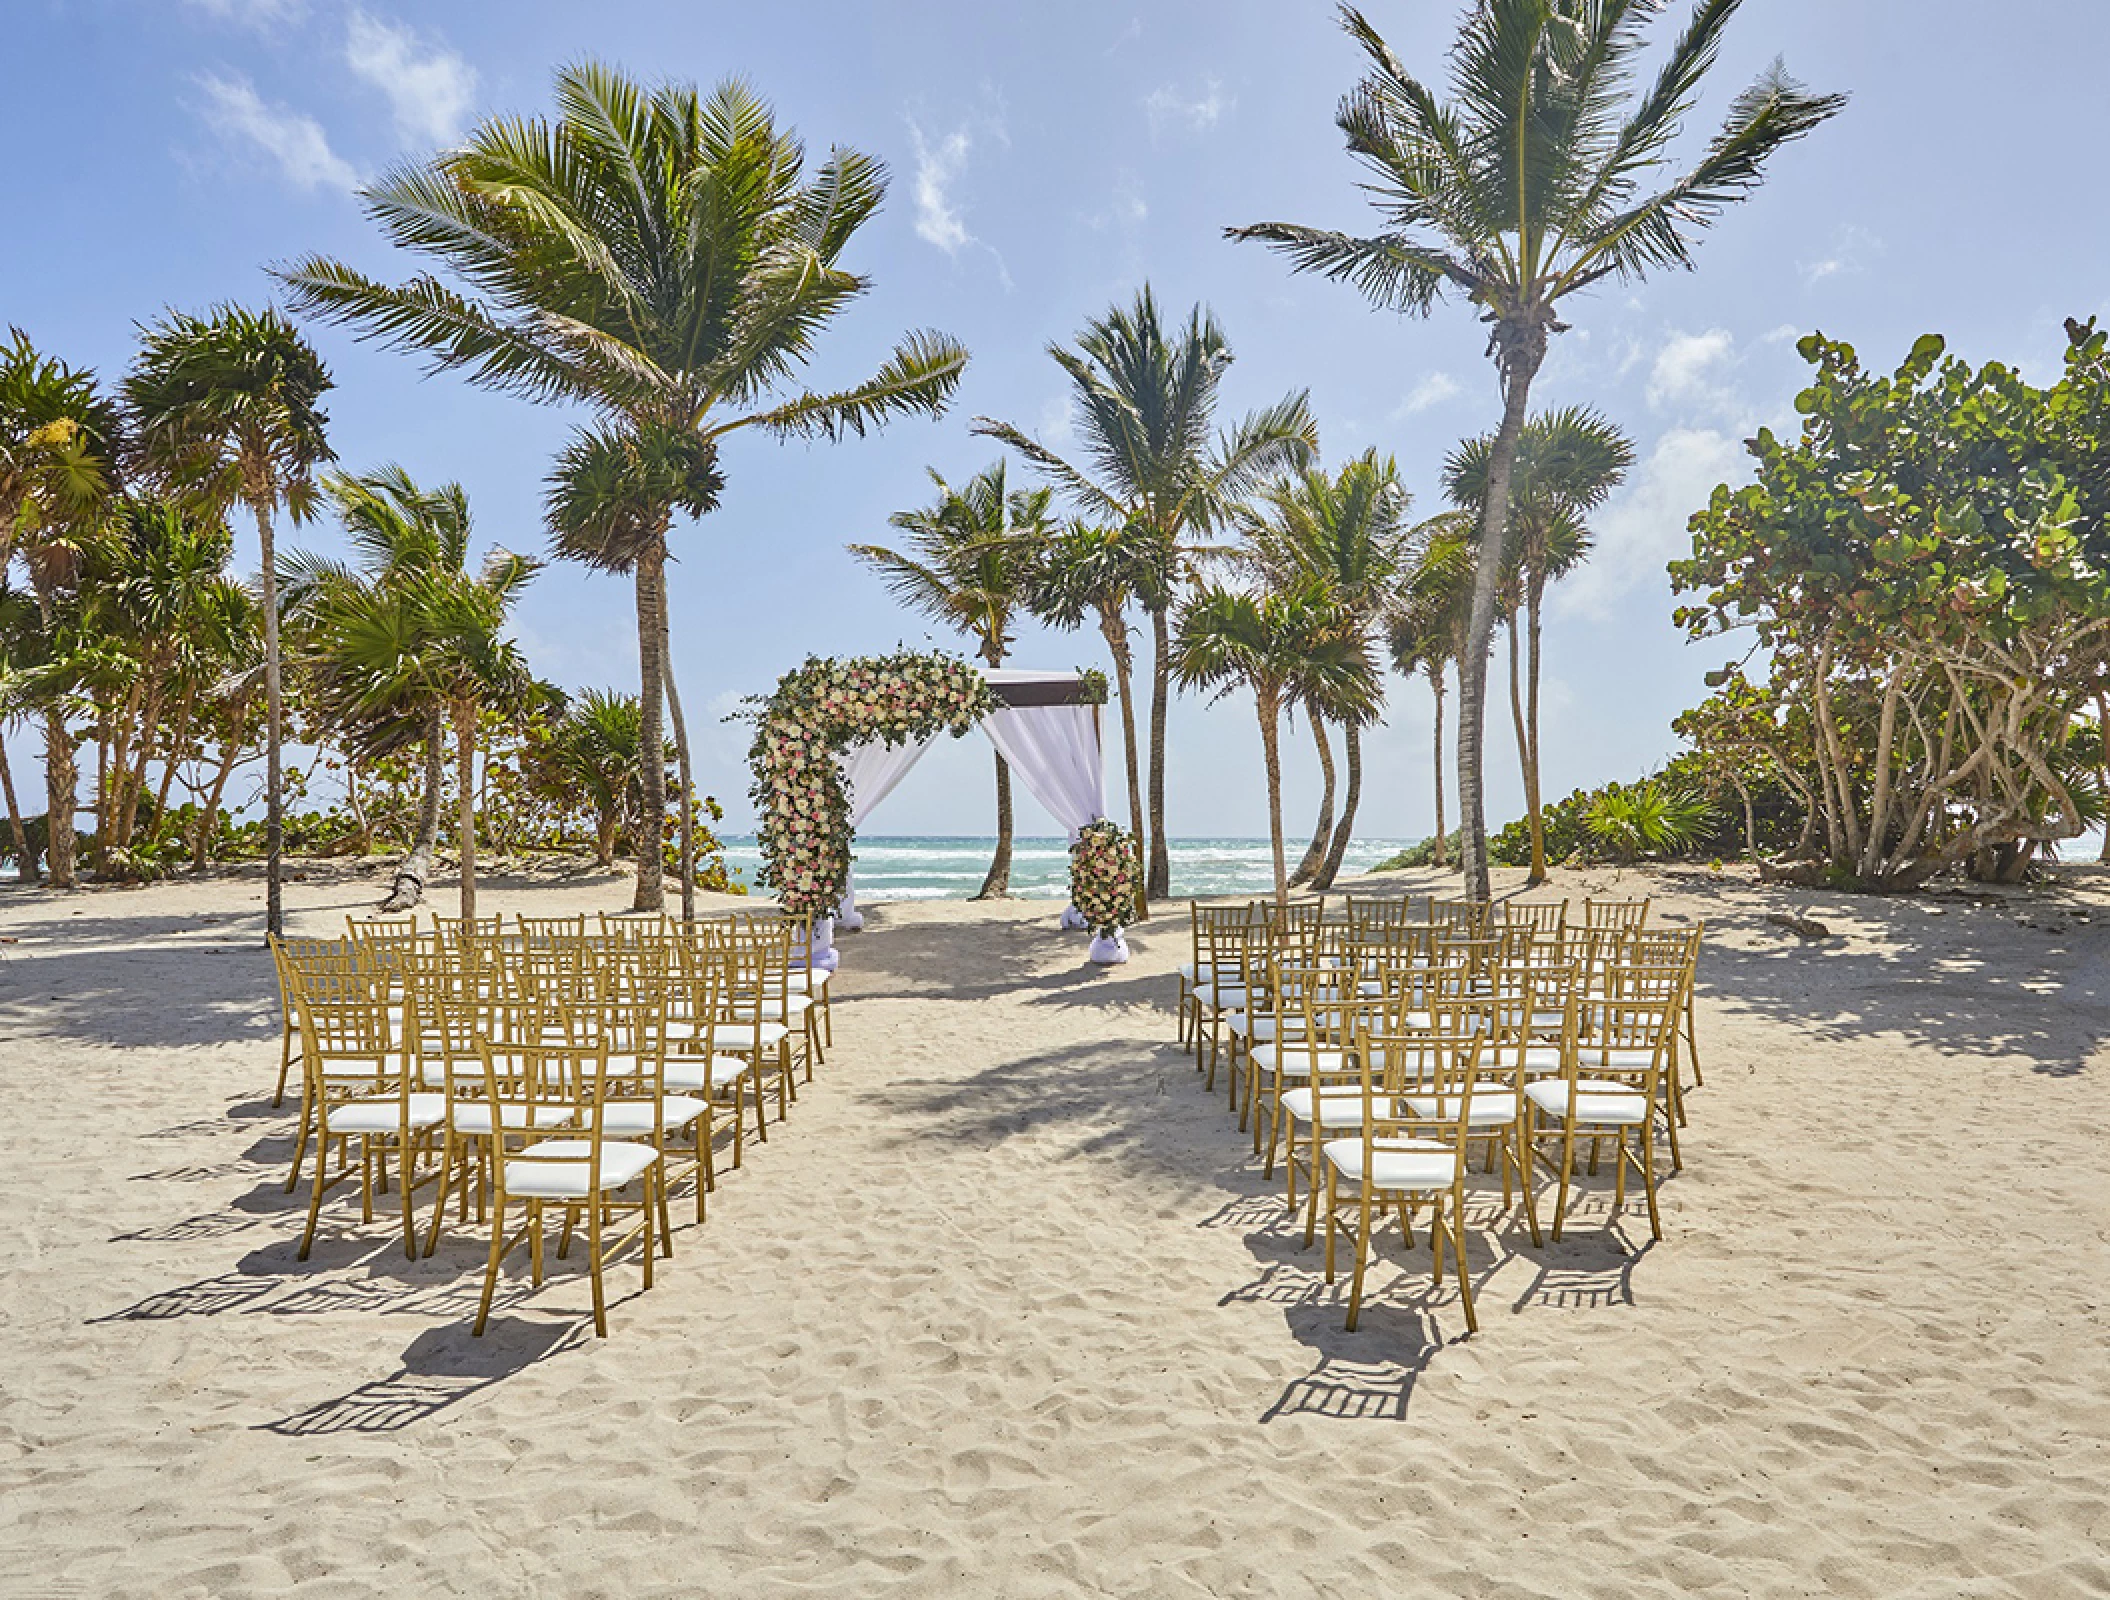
<point x="1105" y="878"/>
<point x="816" y="711"/>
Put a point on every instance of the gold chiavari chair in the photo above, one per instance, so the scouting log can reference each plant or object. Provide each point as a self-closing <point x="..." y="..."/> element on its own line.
<point x="289" y="958"/>
<point x="578" y="1168"/>
<point x="551" y="933"/>
<point x="361" y="1087"/>
<point x="1313" y="1008"/>
<point x="1194" y="973"/>
<point x="1366" y="914"/>
<point x="1546" y="918"/>
<point x="628" y="1014"/>
<point x="753" y="1004"/>
<point x="1468" y="919"/>
<point x="1398" y="1158"/>
<point x="806" y="986"/>
<point x="698" y="982"/>
<point x="1236" y="955"/>
<point x="1664" y="984"/>
<point x="1624" y="915"/>
<point x="1668" y="946"/>
<point x="1610" y="1090"/>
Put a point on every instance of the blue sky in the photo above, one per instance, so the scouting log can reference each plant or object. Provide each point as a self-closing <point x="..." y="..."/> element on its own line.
<point x="1046" y="160"/>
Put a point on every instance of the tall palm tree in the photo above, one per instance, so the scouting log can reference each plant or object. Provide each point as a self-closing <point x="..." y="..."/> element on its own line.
<point x="398" y="532"/>
<point x="61" y="440"/>
<point x="971" y="560"/>
<point x="1096" y="571"/>
<point x="661" y="257"/>
<point x="1426" y="629"/>
<point x="1567" y="463"/>
<point x="228" y="410"/>
<point x="386" y="652"/>
<point x="1543" y="176"/>
<point x="1145" y="400"/>
<point x="1345" y="532"/>
<point x="1283" y="644"/>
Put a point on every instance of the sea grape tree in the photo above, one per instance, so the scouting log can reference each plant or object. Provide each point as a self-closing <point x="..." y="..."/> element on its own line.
<point x="1926" y="571"/>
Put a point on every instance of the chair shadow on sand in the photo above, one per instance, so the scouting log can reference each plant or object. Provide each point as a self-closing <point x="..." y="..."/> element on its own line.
<point x="441" y="1368"/>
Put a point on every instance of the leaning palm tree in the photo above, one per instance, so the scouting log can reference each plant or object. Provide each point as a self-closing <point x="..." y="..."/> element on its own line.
<point x="1097" y="571"/>
<point x="1542" y="177"/>
<point x="1145" y="399"/>
<point x="1345" y="532"/>
<point x="1426" y="627"/>
<point x="1283" y="644"/>
<point x="1567" y="463"/>
<point x="970" y="562"/>
<point x="228" y="409"/>
<point x="661" y="257"/>
<point x="384" y="654"/>
<point x="61" y="439"/>
<point x="398" y="532"/>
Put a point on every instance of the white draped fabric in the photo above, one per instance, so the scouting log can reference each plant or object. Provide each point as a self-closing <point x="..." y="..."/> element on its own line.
<point x="870" y="772"/>
<point x="1055" y="752"/>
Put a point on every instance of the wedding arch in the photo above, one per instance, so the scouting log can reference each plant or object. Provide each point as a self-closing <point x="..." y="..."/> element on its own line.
<point x="838" y="736"/>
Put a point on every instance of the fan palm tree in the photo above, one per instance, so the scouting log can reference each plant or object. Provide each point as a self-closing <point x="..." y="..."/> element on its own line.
<point x="1567" y="462"/>
<point x="591" y="753"/>
<point x="1283" y="644"/>
<point x="228" y="410"/>
<point x="385" y="653"/>
<point x="1145" y="400"/>
<point x="1345" y="532"/>
<point x="971" y="560"/>
<point x="61" y="439"/>
<point x="1542" y="177"/>
<point x="1096" y="571"/>
<point x="661" y="257"/>
<point x="1426" y="629"/>
<point x="398" y="532"/>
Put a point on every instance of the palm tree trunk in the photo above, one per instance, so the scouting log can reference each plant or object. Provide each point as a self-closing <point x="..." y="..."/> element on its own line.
<point x="179" y="736"/>
<point x="1351" y="802"/>
<point x="1273" y="755"/>
<point x="416" y="868"/>
<point x="998" y="883"/>
<point x="274" y="732"/>
<point x="1115" y="627"/>
<point x="651" y="743"/>
<point x="1443" y="845"/>
<point x="1157" y="882"/>
<point x="61" y="776"/>
<point x="135" y="779"/>
<point x="230" y="755"/>
<point x="1519" y="350"/>
<point x="465" y="778"/>
<point x="1516" y="718"/>
<point x="688" y="777"/>
<point x="1322" y="836"/>
<point x="2102" y="729"/>
<point x="1535" y="601"/>
<point x="25" y="862"/>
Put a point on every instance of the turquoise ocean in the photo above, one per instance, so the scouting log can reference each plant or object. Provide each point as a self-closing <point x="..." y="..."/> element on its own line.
<point x="941" y="867"/>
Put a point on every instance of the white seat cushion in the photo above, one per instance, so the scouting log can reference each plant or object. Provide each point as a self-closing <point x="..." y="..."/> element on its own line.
<point x="1297" y="1061"/>
<point x="1260" y="1027"/>
<point x="621" y="1118"/>
<point x="1539" y="1059"/>
<point x="1598" y="1101"/>
<point x="1614" y="1060"/>
<point x="800" y="981"/>
<point x="690" y="1073"/>
<point x="1397" y="1164"/>
<point x="1195" y="971"/>
<point x="1491" y="1108"/>
<point x="1341" y="1108"/>
<point x="386" y="1116"/>
<point x="564" y="1171"/>
<point x="749" y="1035"/>
<point x="1226" y="999"/>
<point x="796" y="1005"/>
<point x="473" y="1117"/>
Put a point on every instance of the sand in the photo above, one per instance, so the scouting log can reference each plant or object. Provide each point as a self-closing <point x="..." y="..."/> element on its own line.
<point x="1006" y="1309"/>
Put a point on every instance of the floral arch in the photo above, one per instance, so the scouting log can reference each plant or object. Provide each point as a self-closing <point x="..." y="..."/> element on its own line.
<point x="805" y="816"/>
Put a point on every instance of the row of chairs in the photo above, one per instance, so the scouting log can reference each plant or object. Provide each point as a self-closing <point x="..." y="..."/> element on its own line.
<point x="549" y="1067"/>
<point x="1379" y="1050"/>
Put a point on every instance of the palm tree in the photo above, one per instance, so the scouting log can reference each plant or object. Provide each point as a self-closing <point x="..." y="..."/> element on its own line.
<point x="1145" y="398"/>
<point x="1347" y="534"/>
<point x="1538" y="180"/>
<point x="591" y="753"/>
<point x="398" y="532"/>
<point x="1426" y="628"/>
<point x="60" y="442"/>
<point x="660" y="257"/>
<point x="1567" y="463"/>
<point x="1095" y="571"/>
<point x="972" y="557"/>
<point x="1283" y="644"/>
<point x="18" y="620"/>
<point x="387" y="652"/>
<point x="228" y="408"/>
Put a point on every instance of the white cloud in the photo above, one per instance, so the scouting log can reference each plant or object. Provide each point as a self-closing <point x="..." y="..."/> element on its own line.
<point x="296" y="142"/>
<point x="1168" y="104"/>
<point x="430" y="89"/>
<point x="938" y="168"/>
<point x="1644" y="525"/>
<point x="1850" y="249"/>
<point x="250" y="13"/>
<point x="1689" y="371"/>
<point x="1433" y="390"/>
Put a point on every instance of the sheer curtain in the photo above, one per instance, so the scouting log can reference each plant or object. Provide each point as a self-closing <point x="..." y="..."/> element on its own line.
<point x="870" y="772"/>
<point x="1055" y="752"/>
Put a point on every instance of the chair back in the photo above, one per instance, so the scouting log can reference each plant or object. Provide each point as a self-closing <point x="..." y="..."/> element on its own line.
<point x="1623" y="914"/>
<point x="1540" y="916"/>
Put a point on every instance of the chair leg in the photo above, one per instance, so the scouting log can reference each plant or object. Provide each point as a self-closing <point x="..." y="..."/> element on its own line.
<point x="1362" y="1258"/>
<point x="1465" y="1282"/>
<point x="1648" y="1185"/>
<point x="1560" y="1206"/>
<point x="593" y="1261"/>
<point x="285" y="1066"/>
<point x="498" y="1252"/>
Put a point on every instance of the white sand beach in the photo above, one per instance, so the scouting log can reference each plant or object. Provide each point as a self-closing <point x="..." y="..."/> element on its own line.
<point x="1006" y="1309"/>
